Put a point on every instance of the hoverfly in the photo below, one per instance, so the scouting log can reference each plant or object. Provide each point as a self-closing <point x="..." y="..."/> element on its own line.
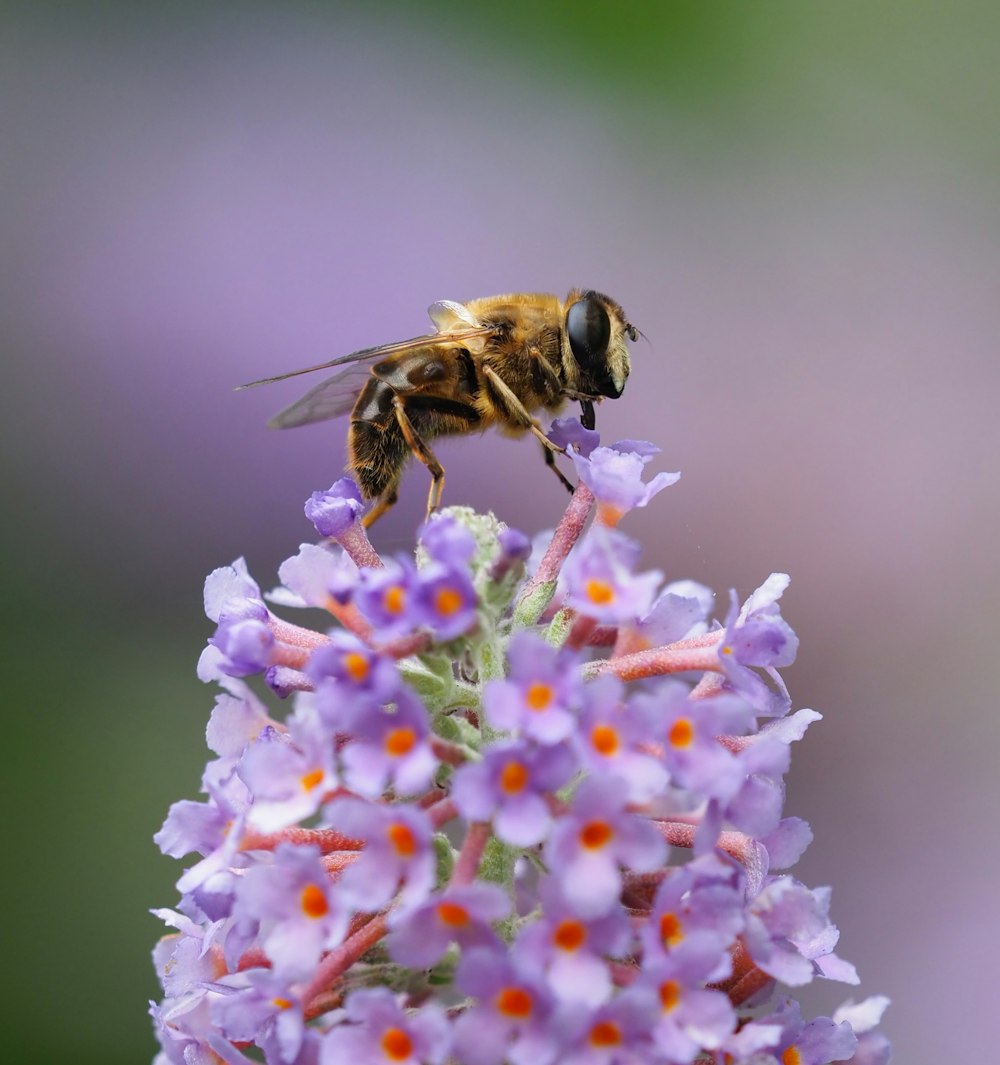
<point x="492" y="362"/>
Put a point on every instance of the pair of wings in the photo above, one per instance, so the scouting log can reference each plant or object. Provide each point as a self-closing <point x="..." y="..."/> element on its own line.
<point x="336" y="395"/>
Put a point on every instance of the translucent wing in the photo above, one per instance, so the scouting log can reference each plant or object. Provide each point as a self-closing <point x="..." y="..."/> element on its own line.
<point x="329" y="399"/>
<point x="335" y="395"/>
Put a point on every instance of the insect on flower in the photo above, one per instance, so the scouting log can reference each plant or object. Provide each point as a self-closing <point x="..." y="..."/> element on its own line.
<point x="492" y="362"/>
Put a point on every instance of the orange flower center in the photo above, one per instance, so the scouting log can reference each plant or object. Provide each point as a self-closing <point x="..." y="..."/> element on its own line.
<point x="452" y="914"/>
<point x="605" y="1034"/>
<point x="448" y="601"/>
<point x="671" y="929"/>
<point x="570" y="935"/>
<point x="605" y="740"/>
<point x="513" y="777"/>
<point x="356" y="665"/>
<point x="681" y="733"/>
<point x="539" y="696"/>
<point x="595" y="834"/>
<point x="314" y="902"/>
<point x="311" y="779"/>
<point x="791" y="1056"/>
<point x="600" y="592"/>
<point x="400" y="741"/>
<point x="397" y="1044"/>
<point x="394" y="599"/>
<point x="670" y="995"/>
<point x="515" y="1002"/>
<point x="402" y="839"/>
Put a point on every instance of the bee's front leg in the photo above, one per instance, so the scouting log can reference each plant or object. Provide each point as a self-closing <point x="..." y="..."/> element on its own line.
<point x="423" y="452"/>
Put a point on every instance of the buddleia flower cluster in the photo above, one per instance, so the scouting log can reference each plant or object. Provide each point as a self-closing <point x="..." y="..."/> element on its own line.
<point x="505" y="802"/>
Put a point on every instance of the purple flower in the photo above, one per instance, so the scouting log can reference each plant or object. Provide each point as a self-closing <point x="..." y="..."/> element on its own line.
<point x="617" y="1031"/>
<point x="350" y="679"/>
<point x="697" y="914"/>
<point x="789" y="934"/>
<point x="293" y="905"/>
<point x="510" y="1018"/>
<point x="377" y="1029"/>
<point x="590" y="843"/>
<point x="447" y="540"/>
<point x="445" y="600"/>
<point x="756" y="635"/>
<point x="600" y="583"/>
<point x="260" y="1006"/>
<point x="691" y="1017"/>
<point x="614" y="475"/>
<point x="816" y="1042"/>
<point x="463" y="915"/>
<point x="510" y="785"/>
<point x="316" y="574"/>
<point x="390" y="748"/>
<point x="610" y="738"/>
<point x="542" y="692"/>
<point x="688" y="731"/>
<point x="289" y="775"/>
<point x="397" y="853"/>
<point x="385" y="597"/>
<point x="570" y="949"/>
<point x="334" y="511"/>
<point x="569" y="433"/>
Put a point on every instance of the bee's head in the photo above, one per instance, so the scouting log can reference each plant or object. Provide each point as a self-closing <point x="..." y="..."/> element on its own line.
<point x="596" y="328"/>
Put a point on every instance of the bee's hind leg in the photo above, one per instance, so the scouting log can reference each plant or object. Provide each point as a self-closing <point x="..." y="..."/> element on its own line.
<point x="424" y="453"/>
<point x="380" y="507"/>
<point x="550" y="461"/>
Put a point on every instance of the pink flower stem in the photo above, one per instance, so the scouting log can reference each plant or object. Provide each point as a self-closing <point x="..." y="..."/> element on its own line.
<point x="469" y="856"/>
<point x="325" y="838"/>
<point x="529" y="608"/>
<point x="682" y="657"/>
<point x="339" y="960"/>
<point x="356" y="543"/>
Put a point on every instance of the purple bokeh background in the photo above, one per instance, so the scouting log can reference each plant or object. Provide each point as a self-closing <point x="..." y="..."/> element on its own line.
<point x="192" y="205"/>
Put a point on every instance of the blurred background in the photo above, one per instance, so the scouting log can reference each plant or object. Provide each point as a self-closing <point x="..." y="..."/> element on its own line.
<point x="797" y="204"/>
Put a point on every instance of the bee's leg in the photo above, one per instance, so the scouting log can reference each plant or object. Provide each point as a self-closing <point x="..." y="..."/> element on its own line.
<point x="380" y="507"/>
<point x="550" y="461"/>
<point x="423" y="452"/>
<point x="516" y="408"/>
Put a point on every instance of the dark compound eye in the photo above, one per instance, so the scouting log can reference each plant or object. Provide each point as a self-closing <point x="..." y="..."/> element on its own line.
<point x="589" y="329"/>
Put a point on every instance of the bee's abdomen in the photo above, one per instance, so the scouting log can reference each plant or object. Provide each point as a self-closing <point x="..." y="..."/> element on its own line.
<point x="377" y="451"/>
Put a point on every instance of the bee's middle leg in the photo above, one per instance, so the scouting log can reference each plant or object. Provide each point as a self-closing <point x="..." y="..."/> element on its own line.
<point x="423" y="452"/>
<point x="550" y="461"/>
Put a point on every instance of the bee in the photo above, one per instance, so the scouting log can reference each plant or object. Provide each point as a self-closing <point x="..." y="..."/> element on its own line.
<point x="491" y="362"/>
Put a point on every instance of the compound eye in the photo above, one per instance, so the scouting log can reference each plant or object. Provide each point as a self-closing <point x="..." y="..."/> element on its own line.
<point x="589" y="329"/>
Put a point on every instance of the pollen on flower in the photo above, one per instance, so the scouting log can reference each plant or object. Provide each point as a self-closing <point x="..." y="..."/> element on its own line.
<point x="402" y="839"/>
<point x="452" y="914"/>
<point x="791" y="1056"/>
<point x="671" y="929"/>
<point x="600" y="592"/>
<point x="357" y="666"/>
<point x="681" y="733"/>
<point x="539" y="696"/>
<point x="569" y="935"/>
<point x="605" y="740"/>
<point x="314" y="901"/>
<point x="394" y="599"/>
<point x="448" y="601"/>
<point x="514" y="1002"/>
<point x="670" y="995"/>
<point x="397" y="1044"/>
<point x="605" y="1034"/>
<point x="513" y="777"/>
<point x="400" y="741"/>
<point x="312" y="779"/>
<point x="596" y="834"/>
<point x="281" y="1003"/>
